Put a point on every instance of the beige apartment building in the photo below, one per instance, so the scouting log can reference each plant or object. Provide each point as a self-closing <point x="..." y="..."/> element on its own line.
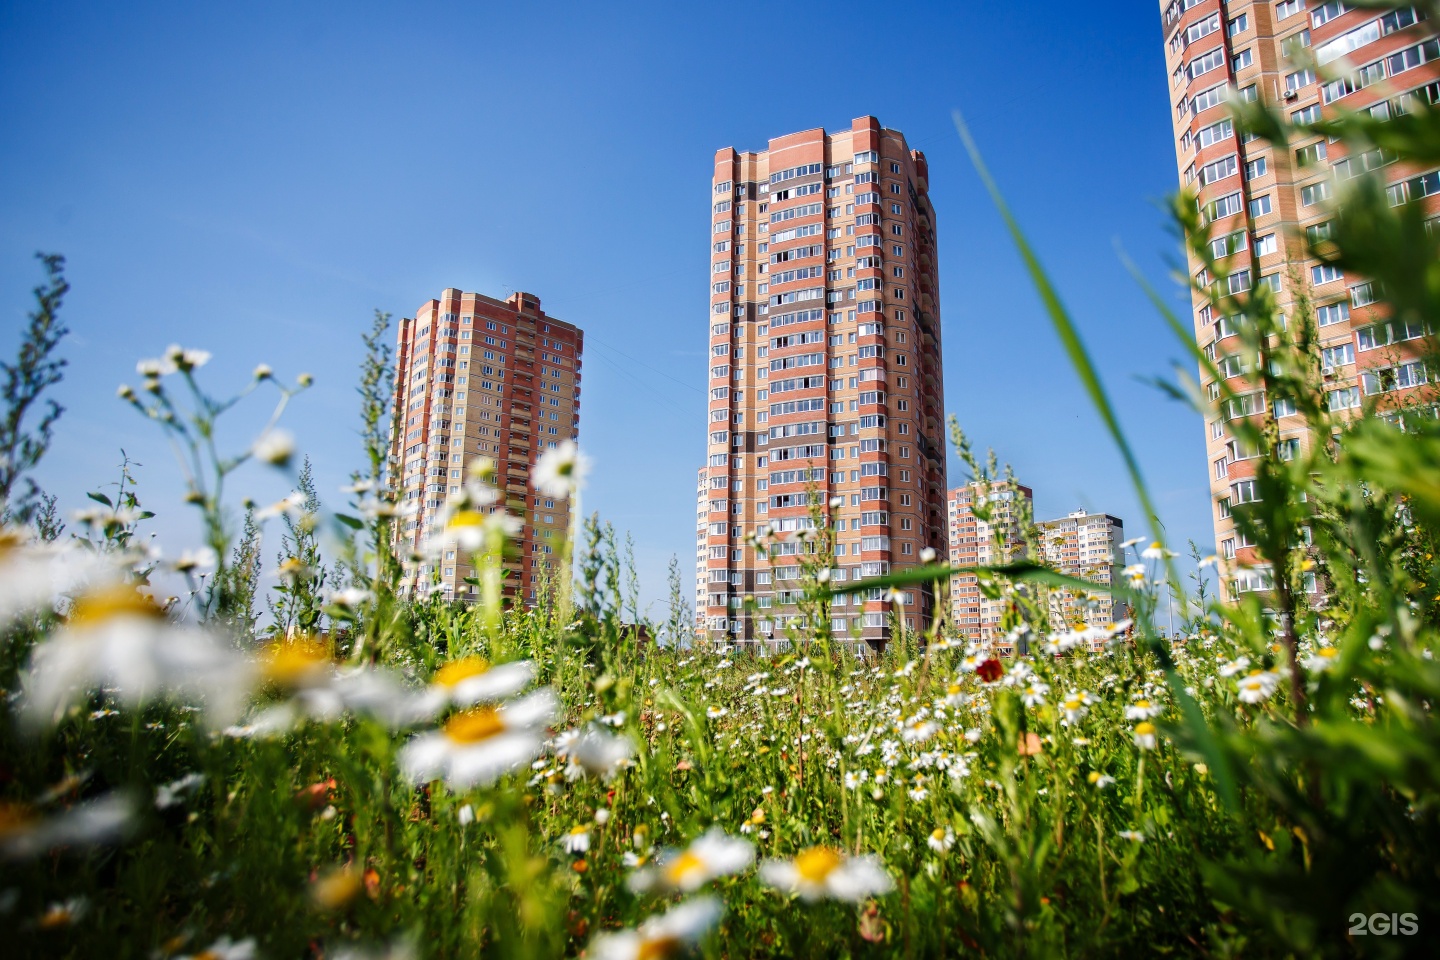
<point x="480" y="377"/>
<point x="973" y="542"/>
<point x="1084" y="545"/>
<point x="825" y="375"/>
<point x="1265" y="206"/>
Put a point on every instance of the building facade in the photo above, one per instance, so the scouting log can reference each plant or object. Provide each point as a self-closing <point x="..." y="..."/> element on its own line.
<point x="702" y="523"/>
<point x="825" y="376"/>
<point x="1266" y="204"/>
<point x="1084" y="545"/>
<point x="480" y="377"/>
<point x="973" y="542"/>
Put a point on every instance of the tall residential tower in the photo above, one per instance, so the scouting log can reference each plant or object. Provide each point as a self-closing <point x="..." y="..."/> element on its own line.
<point x="479" y="377"/>
<point x="824" y="371"/>
<point x="1266" y="203"/>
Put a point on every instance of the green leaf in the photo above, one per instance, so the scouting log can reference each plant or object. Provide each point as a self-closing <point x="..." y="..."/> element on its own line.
<point x="100" y="498"/>
<point x="350" y="522"/>
<point x="1206" y="744"/>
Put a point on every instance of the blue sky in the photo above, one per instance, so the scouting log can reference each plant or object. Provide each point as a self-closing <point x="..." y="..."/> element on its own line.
<point x="256" y="179"/>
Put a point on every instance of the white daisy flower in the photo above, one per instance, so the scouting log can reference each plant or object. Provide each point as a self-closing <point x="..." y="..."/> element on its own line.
<point x="1143" y="710"/>
<point x="1321" y="660"/>
<point x="593" y="753"/>
<point x="1099" y="780"/>
<point x="1258" y="685"/>
<point x="823" y="872"/>
<point x="659" y="937"/>
<point x="713" y="854"/>
<point x="119" y="640"/>
<point x="226" y="949"/>
<point x="577" y="840"/>
<point x="276" y="447"/>
<point x="1234" y="666"/>
<point x="1144" y="734"/>
<point x="478" y="746"/>
<point x="471" y="680"/>
<point x="1133" y="835"/>
<point x="941" y="839"/>
<point x="561" y="472"/>
<point x="24" y="836"/>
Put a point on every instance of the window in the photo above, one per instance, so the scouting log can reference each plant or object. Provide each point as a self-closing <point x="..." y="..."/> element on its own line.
<point x="1215" y="133"/>
<point x="1246" y="491"/>
<point x="1293" y="43"/>
<point x="1256" y="168"/>
<point x="1346" y="398"/>
<point x="1310" y="114"/>
<point x="1425" y="185"/>
<point x="1388" y="332"/>
<point x="1300" y="78"/>
<point x="1206" y="62"/>
<point x="1206" y="99"/>
<point x="1226" y="206"/>
<point x="1265" y="245"/>
<point x="1238" y="25"/>
<point x="1218" y="170"/>
<point x="1327" y="12"/>
<point x="1332" y="313"/>
<point x="1338" y="356"/>
<point x="1325" y="273"/>
<point x="1400" y="377"/>
<point x="1242" y="60"/>
<point x="1314" y="193"/>
<point x="1363" y="294"/>
<point x="1318" y="233"/>
<point x="1310" y="155"/>
<point x="1288" y="8"/>
<point x="1228" y="246"/>
<point x="1260" y="206"/>
<point x="1284" y="407"/>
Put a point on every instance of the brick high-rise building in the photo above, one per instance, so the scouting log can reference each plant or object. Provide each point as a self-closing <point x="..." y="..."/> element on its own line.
<point x="1265" y="204"/>
<point x="1084" y="545"/>
<point x="479" y="377"/>
<point x="825" y="370"/>
<point x="972" y="543"/>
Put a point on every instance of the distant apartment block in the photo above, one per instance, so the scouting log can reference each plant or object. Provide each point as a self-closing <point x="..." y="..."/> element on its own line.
<point x="479" y="377"/>
<point x="825" y="375"/>
<point x="1267" y="206"/>
<point x="973" y="542"/>
<point x="1087" y="546"/>
<point x="702" y="523"/>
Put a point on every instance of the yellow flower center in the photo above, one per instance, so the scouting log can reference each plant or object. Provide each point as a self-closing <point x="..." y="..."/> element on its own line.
<point x="953" y="689"/>
<point x="685" y="865"/>
<point x="817" y="863"/>
<point x="659" y="947"/>
<point x="56" y="917"/>
<point x="463" y="669"/>
<point x="1093" y="776"/>
<point x="1143" y="704"/>
<point x="117" y="600"/>
<point x="1145" y="729"/>
<point x="289" y="661"/>
<point x="14" y="818"/>
<point x="472" y="726"/>
<point x="466" y="518"/>
<point x="938" y="834"/>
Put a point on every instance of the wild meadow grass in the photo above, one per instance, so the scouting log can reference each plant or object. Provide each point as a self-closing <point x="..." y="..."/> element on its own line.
<point x="343" y="769"/>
